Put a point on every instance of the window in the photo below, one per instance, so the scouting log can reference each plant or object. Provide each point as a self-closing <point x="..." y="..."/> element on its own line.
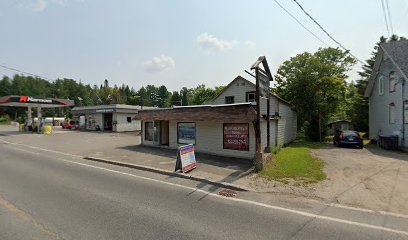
<point x="393" y="81"/>
<point x="129" y="119"/>
<point x="149" y="131"/>
<point x="186" y="133"/>
<point x="236" y="136"/>
<point x="250" y="97"/>
<point x="392" y="113"/>
<point x="381" y="85"/>
<point x="229" y="99"/>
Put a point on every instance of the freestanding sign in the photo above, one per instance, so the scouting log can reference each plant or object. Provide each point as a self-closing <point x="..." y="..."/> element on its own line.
<point x="186" y="158"/>
<point x="264" y="85"/>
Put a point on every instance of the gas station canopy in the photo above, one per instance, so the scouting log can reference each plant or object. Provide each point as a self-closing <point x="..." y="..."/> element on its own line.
<point x="26" y="101"/>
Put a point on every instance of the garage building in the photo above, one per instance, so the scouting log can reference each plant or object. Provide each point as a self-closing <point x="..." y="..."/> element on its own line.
<point x="114" y="117"/>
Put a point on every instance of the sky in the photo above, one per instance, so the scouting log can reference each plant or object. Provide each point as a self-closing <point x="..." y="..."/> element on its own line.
<point x="180" y="42"/>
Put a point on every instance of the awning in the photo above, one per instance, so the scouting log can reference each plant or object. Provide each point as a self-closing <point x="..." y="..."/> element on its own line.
<point x="227" y="113"/>
<point x="27" y="101"/>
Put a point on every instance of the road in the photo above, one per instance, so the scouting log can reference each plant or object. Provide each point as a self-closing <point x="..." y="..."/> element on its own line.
<point x="45" y="195"/>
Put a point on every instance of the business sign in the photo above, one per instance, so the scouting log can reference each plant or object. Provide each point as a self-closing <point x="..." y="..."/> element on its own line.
<point x="104" y="110"/>
<point x="264" y="85"/>
<point x="186" y="158"/>
<point x="236" y="136"/>
<point x="27" y="99"/>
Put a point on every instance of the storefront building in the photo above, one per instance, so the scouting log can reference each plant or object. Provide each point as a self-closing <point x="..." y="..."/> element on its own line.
<point x="225" y="126"/>
<point x="115" y="117"/>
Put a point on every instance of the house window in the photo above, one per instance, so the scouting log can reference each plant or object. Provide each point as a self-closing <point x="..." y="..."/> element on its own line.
<point x="229" y="99"/>
<point x="381" y="85"/>
<point x="149" y="131"/>
<point x="250" y="97"/>
<point x="393" y="81"/>
<point x="129" y="119"/>
<point x="186" y="133"/>
<point x="392" y="113"/>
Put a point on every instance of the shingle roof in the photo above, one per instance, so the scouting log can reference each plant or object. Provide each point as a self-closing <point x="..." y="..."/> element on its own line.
<point x="398" y="52"/>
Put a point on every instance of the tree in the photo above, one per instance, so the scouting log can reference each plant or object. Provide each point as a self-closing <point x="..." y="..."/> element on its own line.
<point x="315" y="84"/>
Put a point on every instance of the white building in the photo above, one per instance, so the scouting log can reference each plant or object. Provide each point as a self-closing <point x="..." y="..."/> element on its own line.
<point x="223" y="126"/>
<point x="115" y="117"/>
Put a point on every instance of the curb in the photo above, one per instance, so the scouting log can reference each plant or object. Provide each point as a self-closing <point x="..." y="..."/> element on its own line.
<point x="170" y="173"/>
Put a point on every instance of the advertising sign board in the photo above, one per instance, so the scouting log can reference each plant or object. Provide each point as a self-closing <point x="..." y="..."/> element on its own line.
<point x="236" y="136"/>
<point x="264" y="85"/>
<point x="186" y="158"/>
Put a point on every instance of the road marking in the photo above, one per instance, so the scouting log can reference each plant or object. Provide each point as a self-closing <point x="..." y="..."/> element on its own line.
<point x="312" y="215"/>
<point x="27" y="217"/>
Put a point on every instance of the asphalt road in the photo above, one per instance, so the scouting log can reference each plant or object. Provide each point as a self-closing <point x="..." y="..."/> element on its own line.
<point x="51" y="196"/>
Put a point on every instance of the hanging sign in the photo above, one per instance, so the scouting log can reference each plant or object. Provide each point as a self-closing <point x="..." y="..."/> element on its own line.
<point x="186" y="158"/>
<point x="264" y="85"/>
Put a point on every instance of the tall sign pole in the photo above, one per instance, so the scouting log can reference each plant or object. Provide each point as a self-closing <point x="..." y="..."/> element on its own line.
<point x="258" y="112"/>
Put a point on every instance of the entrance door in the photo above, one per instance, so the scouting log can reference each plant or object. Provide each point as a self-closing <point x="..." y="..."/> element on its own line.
<point x="107" y="121"/>
<point x="156" y="136"/>
<point x="164" y="133"/>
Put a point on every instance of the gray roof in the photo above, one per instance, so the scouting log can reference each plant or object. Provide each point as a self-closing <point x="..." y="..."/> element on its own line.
<point x="397" y="51"/>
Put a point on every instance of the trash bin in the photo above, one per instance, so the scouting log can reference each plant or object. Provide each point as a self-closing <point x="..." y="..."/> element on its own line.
<point x="388" y="142"/>
<point x="46" y="130"/>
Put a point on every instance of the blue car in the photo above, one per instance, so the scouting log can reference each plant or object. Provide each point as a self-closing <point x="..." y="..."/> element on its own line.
<point x="348" y="138"/>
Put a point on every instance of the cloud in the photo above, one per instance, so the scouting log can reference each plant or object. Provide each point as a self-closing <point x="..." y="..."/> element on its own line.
<point x="160" y="63"/>
<point x="39" y="5"/>
<point x="250" y="44"/>
<point x="210" y="44"/>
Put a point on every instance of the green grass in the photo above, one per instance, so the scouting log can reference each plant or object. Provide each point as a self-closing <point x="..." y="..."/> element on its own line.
<point x="295" y="162"/>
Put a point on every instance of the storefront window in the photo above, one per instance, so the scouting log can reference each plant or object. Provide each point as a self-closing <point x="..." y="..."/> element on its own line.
<point x="186" y="133"/>
<point x="236" y="136"/>
<point x="149" y="131"/>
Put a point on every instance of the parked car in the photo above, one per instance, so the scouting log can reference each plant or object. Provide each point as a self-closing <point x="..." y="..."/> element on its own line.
<point x="69" y="124"/>
<point x="348" y="138"/>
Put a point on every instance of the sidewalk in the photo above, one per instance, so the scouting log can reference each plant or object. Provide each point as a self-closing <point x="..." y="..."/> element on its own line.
<point x="125" y="149"/>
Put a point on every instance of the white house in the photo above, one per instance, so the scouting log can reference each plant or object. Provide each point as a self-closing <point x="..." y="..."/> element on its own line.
<point x="388" y="93"/>
<point x="223" y="126"/>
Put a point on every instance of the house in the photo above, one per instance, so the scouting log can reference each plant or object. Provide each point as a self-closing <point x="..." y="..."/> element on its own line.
<point x="388" y="93"/>
<point x="114" y="117"/>
<point x="342" y="125"/>
<point x="223" y="126"/>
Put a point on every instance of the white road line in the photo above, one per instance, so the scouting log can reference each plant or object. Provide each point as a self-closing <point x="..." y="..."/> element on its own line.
<point x="312" y="215"/>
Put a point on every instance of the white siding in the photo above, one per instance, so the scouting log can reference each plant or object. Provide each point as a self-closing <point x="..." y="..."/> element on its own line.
<point x="123" y="125"/>
<point x="209" y="139"/>
<point x="238" y="89"/>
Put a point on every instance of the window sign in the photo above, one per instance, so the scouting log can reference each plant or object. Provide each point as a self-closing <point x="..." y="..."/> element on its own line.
<point x="186" y="133"/>
<point x="149" y="131"/>
<point x="236" y="136"/>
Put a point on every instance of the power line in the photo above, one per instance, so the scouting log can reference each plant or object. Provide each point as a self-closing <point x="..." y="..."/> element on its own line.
<point x="23" y="72"/>
<point x="300" y="23"/>
<point x="385" y="17"/>
<point x="389" y="16"/>
<point x="324" y="30"/>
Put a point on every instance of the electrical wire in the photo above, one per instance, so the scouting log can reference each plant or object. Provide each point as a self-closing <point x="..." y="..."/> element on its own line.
<point x="328" y="34"/>
<point x="389" y="16"/>
<point x="385" y="17"/>
<point x="23" y="72"/>
<point x="300" y="23"/>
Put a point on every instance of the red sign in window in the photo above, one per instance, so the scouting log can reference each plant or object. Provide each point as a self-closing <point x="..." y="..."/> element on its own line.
<point x="236" y="136"/>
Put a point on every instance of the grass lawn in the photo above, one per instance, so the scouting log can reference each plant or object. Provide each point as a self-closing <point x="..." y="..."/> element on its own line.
<point x="295" y="162"/>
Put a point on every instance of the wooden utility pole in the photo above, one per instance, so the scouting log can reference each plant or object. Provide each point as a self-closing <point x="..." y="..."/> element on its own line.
<point x="258" y="113"/>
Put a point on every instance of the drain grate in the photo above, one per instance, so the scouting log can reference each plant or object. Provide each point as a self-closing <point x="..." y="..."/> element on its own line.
<point x="228" y="193"/>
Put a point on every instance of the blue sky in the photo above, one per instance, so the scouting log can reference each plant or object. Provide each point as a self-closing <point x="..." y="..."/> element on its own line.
<point x="178" y="43"/>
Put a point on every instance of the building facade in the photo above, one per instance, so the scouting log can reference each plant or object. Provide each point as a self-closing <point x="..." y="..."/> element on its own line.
<point x="223" y="126"/>
<point x="388" y="93"/>
<point x="115" y="117"/>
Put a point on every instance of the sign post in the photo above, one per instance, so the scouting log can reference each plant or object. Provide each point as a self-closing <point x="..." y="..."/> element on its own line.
<point x="186" y="158"/>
